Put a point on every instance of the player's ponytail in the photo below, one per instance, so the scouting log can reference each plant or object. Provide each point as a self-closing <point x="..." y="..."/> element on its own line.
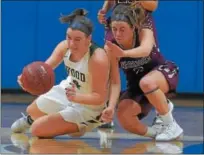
<point x="78" y="21"/>
<point x="69" y="18"/>
<point x="138" y="13"/>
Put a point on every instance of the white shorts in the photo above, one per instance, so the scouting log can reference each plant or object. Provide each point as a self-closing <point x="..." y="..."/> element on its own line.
<point x="55" y="101"/>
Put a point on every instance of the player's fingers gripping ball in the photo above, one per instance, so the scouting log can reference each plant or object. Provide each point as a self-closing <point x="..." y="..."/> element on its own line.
<point x="37" y="78"/>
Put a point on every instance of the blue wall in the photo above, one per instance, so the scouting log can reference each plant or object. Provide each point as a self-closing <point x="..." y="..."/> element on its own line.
<point x="31" y="30"/>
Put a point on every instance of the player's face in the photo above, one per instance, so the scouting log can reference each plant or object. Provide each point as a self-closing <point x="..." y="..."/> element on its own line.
<point x="122" y="32"/>
<point x="77" y="40"/>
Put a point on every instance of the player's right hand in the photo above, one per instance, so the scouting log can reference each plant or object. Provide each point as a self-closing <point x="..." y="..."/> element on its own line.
<point x="101" y="16"/>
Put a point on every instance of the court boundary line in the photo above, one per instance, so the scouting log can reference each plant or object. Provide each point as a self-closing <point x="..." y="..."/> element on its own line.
<point x="95" y="135"/>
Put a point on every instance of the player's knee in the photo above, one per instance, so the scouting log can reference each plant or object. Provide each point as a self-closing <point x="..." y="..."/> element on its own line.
<point x="36" y="130"/>
<point x="147" y="84"/>
<point x="34" y="111"/>
<point x="30" y="109"/>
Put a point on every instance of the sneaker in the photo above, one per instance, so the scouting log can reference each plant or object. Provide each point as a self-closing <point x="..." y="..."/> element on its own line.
<point x="107" y="125"/>
<point x="158" y="122"/>
<point x="20" y="125"/>
<point x="169" y="132"/>
<point x="20" y="140"/>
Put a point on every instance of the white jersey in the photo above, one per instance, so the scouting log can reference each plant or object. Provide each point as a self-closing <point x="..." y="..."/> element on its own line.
<point x="78" y="73"/>
<point x="56" y="100"/>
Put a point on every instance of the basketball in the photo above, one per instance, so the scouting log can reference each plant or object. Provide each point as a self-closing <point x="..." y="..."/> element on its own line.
<point x="37" y="78"/>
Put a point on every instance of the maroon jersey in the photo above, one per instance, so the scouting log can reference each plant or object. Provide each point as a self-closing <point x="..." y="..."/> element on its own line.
<point x="136" y="68"/>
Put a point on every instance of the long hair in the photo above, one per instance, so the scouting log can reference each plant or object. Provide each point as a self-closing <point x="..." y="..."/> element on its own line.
<point x="78" y="21"/>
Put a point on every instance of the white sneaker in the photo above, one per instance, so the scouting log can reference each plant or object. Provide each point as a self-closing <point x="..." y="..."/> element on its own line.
<point x="158" y="122"/>
<point x="20" y="125"/>
<point x="169" y="132"/>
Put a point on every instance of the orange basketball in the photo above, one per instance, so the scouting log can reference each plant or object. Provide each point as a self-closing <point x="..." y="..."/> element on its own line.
<point x="38" y="78"/>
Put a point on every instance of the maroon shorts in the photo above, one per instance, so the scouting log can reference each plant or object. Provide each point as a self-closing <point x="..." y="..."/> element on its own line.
<point x="170" y="72"/>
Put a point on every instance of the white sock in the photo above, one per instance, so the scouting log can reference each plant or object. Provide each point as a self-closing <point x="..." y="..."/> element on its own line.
<point x="150" y="132"/>
<point x="167" y="118"/>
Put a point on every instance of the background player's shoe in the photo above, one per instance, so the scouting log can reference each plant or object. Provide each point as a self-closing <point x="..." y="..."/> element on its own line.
<point x="20" y="140"/>
<point x="157" y="122"/>
<point x="107" y="125"/>
<point x="20" y="125"/>
<point x="169" y="132"/>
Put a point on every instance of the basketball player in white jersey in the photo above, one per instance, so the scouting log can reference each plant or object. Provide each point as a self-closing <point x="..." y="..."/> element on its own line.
<point x="74" y="106"/>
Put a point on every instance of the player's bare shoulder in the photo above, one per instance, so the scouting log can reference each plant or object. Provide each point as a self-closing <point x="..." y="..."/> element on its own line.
<point x="100" y="56"/>
<point x="61" y="48"/>
<point x="63" y="45"/>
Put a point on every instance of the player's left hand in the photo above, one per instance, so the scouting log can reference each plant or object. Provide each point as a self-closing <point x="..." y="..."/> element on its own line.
<point x="114" y="49"/>
<point x="71" y="92"/>
<point x="107" y="115"/>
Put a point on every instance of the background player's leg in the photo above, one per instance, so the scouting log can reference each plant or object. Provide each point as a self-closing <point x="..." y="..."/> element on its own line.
<point x="155" y="85"/>
<point x="127" y="113"/>
<point x="156" y="81"/>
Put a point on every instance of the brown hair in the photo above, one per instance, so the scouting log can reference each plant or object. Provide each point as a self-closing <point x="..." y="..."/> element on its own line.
<point x="78" y="21"/>
<point x="132" y="14"/>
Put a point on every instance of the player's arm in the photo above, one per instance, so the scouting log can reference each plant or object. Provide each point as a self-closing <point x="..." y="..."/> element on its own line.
<point x="115" y="85"/>
<point x="146" y="44"/>
<point x="55" y="59"/>
<point x="58" y="54"/>
<point x="149" y="5"/>
<point x="99" y="70"/>
<point x="107" y="5"/>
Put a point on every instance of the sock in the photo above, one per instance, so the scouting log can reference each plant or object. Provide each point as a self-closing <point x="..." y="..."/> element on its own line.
<point x="29" y="120"/>
<point x="150" y="132"/>
<point x="167" y="118"/>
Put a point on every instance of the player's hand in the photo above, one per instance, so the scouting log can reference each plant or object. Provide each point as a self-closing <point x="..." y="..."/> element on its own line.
<point x="115" y="50"/>
<point x="20" y="82"/>
<point x="107" y="115"/>
<point x="71" y="92"/>
<point x="101" y="16"/>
